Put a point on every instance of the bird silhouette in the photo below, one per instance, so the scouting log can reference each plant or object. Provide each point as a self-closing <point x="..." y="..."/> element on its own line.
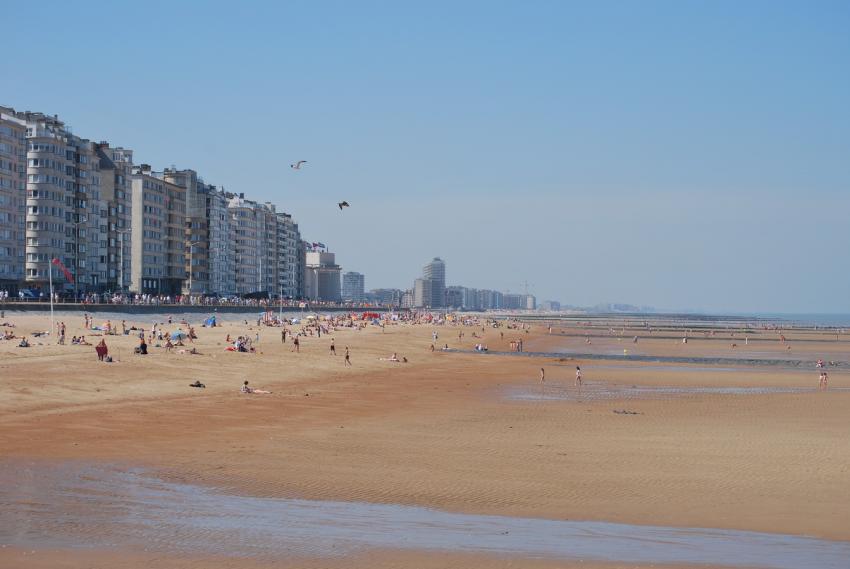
<point x="297" y="165"/>
<point x="342" y="205"/>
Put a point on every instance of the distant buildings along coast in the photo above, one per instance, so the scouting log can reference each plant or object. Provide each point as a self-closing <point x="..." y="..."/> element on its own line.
<point x="121" y="227"/>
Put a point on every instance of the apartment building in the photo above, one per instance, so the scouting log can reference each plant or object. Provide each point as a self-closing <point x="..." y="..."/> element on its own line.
<point x="289" y="240"/>
<point x="246" y="243"/>
<point x="321" y="277"/>
<point x="116" y="170"/>
<point x="158" y="264"/>
<point x="196" y="231"/>
<point x="353" y="286"/>
<point x="222" y="253"/>
<point x="433" y="286"/>
<point x="12" y="199"/>
<point x="50" y="180"/>
<point x="387" y="296"/>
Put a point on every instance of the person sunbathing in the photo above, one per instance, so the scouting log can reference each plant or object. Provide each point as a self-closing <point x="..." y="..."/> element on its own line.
<point x="246" y="389"/>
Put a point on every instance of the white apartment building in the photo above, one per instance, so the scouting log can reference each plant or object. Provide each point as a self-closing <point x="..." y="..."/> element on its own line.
<point x="50" y="180"/>
<point x="247" y="241"/>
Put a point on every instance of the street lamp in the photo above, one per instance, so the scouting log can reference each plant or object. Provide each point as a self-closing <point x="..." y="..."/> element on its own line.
<point x="191" y="250"/>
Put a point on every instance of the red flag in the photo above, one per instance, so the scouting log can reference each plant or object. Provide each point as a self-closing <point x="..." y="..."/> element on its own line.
<point x="68" y="276"/>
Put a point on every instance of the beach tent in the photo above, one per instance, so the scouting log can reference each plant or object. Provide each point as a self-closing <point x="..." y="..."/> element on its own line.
<point x="178" y="335"/>
<point x="210" y="321"/>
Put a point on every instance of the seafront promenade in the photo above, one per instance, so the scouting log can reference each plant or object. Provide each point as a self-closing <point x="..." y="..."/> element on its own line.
<point x="157" y="308"/>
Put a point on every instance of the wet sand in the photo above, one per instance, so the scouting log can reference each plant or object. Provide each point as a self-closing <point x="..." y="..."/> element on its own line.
<point x="437" y="432"/>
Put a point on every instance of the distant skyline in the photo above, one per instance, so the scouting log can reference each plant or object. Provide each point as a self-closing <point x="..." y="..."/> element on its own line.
<point x="677" y="154"/>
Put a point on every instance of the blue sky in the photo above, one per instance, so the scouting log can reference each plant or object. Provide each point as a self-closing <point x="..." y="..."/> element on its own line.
<point x="678" y="154"/>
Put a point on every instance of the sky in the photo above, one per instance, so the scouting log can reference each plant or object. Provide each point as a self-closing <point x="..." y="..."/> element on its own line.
<point x="678" y="154"/>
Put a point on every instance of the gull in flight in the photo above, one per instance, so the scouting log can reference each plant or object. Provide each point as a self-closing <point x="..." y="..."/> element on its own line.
<point x="342" y="205"/>
<point x="297" y="165"/>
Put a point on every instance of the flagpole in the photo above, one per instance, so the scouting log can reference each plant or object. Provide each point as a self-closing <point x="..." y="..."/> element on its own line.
<point x="50" y="277"/>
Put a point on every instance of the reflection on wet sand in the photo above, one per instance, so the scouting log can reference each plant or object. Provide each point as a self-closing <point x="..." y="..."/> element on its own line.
<point x="76" y="504"/>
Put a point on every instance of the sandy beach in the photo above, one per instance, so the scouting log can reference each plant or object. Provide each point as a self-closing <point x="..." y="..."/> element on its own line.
<point x="674" y="445"/>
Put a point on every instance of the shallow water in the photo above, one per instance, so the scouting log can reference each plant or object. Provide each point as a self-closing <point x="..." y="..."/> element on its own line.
<point x="601" y="391"/>
<point x="83" y="505"/>
<point x="775" y="363"/>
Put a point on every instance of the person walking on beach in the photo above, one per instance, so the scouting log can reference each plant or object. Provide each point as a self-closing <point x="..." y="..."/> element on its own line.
<point x="824" y="381"/>
<point x="578" y="376"/>
<point x="333" y="347"/>
<point x="542" y="375"/>
<point x="296" y="345"/>
<point x="347" y="361"/>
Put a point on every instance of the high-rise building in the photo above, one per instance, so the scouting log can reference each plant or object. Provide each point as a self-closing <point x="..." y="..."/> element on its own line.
<point x="196" y="240"/>
<point x="435" y="271"/>
<point x="222" y="254"/>
<point x="116" y="171"/>
<point x="255" y="225"/>
<point x="353" y="286"/>
<point x="158" y="234"/>
<point x="52" y="190"/>
<point x="321" y="276"/>
<point x="13" y="146"/>
<point x="288" y="246"/>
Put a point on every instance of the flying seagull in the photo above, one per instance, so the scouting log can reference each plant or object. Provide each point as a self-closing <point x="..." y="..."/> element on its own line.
<point x="297" y="165"/>
<point x="342" y="205"/>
